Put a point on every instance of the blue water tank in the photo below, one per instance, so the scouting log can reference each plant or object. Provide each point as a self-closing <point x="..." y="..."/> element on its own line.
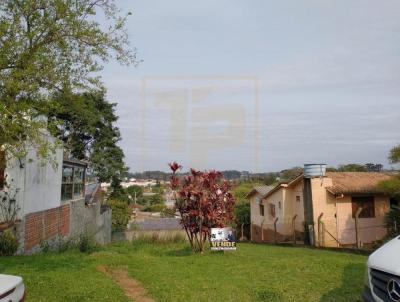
<point x="314" y="170"/>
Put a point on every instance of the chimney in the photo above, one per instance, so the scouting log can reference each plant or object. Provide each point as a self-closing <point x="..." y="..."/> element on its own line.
<point x="310" y="171"/>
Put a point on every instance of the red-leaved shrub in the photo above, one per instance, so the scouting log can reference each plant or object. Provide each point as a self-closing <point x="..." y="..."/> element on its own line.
<point x="203" y="201"/>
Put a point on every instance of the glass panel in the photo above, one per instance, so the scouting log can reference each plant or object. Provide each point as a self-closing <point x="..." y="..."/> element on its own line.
<point x="78" y="190"/>
<point x="72" y="182"/>
<point x="78" y="175"/>
<point x="67" y="174"/>
<point x="66" y="191"/>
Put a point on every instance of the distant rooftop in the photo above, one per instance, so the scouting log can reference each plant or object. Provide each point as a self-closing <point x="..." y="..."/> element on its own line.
<point x="262" y="190"/>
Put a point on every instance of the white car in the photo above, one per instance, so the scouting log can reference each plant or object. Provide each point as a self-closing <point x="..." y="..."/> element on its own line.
<point x="383" y="282"/>
<point x="12" y="289"/>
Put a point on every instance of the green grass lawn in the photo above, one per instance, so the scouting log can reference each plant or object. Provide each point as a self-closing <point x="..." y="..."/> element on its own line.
<point x="170" y="272"/>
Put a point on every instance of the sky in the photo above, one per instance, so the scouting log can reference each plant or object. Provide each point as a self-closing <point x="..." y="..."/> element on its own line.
<point x="258" y="85"/>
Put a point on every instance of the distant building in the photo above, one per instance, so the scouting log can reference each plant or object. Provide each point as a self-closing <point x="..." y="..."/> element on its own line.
<point x="132" y="182"/>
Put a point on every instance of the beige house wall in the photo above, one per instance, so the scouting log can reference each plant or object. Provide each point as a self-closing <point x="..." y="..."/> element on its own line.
<point x="294" y="207"/>
<point x="370" y="229"/>
<point x="264" y="225"/>
<point x="255" y="216"/>
<point x="324" y="203"/>
<point x="276" y="198"/>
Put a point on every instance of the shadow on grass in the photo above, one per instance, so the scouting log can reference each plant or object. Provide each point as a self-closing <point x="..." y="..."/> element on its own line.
<point x="351" y="287"/>
<point x="187" y="251"/>
<point x="182" y="252"/>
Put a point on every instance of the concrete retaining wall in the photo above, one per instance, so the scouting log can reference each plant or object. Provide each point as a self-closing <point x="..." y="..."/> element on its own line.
<point x="90" y="220"/>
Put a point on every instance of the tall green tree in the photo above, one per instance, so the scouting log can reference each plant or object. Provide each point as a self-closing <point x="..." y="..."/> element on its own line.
<point x="86" y="124"/>
<point x="394" y="155"/>
<point x="47" y="46"/>
<point x="391" y="187"/>
<point x="135" y="190"/>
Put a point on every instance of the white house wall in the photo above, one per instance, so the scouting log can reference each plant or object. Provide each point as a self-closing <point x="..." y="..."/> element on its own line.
<point x="38" y="185"/>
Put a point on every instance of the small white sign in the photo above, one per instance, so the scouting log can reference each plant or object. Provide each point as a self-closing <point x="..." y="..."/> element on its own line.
<point x="223" y="239"/>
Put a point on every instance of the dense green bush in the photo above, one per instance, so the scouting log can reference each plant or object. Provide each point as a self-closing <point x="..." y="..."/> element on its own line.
<point x="45" y="246"/>
<point x="135" y="189"/>
<point x="150" y="200"/>
<point x="168" y="212"/>
<point x="155" y="208"/>
<point x="120" y="194"/>
<point x="242" y="217"/>
<point x="120" y="215"/>
<point x="64" y="244"/>
<point x="159" y="237"/>
<point x="8" y="244"/>
<point x="392" y="222"/>
<point x="158" y="188"/>
<point x="242" y="213"/>
<point x="155" y="199"/>
<point x="87" y="243"/>
<point x="391" y="187"/>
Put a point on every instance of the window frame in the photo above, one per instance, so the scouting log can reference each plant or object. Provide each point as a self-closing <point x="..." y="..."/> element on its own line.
<point x="73" y="182"/>
<point x="394" y="202"/>
<point x="272" y="210"/>
<point x="367" y="203"/>
<point x="261" y="209"/>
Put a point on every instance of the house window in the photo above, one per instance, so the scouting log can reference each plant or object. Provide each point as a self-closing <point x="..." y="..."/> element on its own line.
<point x="72" y="186"/>
<point x="261" y="210"/>
<point x="2" y="168"/>
<point x="366" y="203"/>
<point x="298" y="198"/>
<point x="394" y="202"/>
<point x="272" y="210"/>
<point x="280" y="205"/>
<point x="79" y="174"/>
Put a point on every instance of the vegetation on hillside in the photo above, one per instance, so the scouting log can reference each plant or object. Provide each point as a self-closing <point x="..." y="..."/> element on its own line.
<point x="369" y="167"/>
<point x="241" y="190"/>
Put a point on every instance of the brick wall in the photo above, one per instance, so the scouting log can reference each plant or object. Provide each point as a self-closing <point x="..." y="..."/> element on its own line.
<point x="44" y="225"/>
